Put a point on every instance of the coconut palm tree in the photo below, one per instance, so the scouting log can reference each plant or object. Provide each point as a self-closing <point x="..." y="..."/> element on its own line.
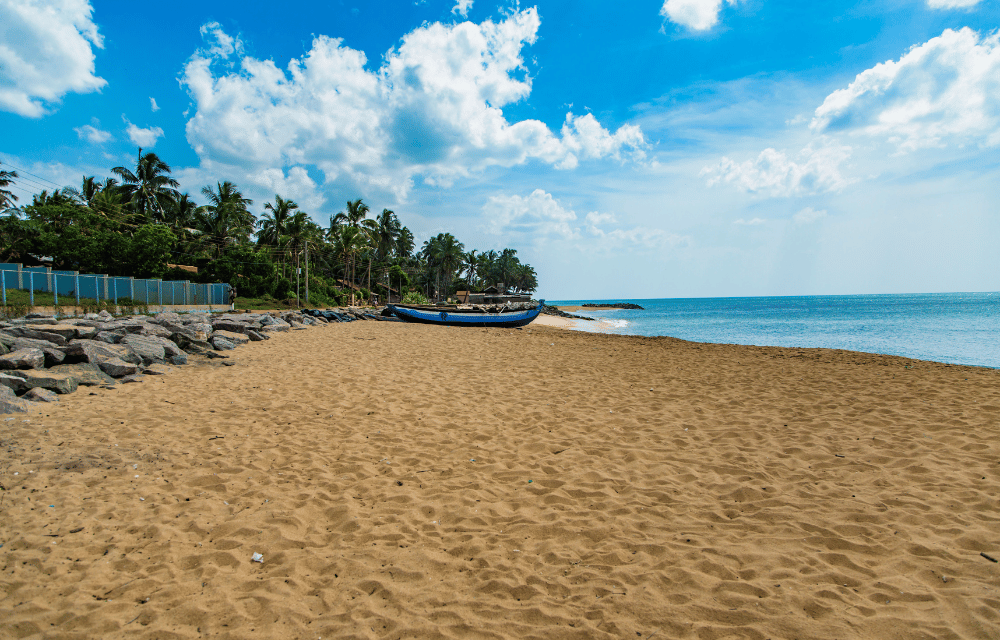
<point x="387" y="229"/>
<point x="299" y="230"/>
<point x="444" y="256"/>
<point x="356" y="212"/>
<point x="182" y="213"/>
<point x="346" y="242"/>
<point x="355" y="216"/>
<point x="7" y="199"/>
<point x="149" y="190"/>
<point x="470" y="262"/>
<point x="226" y="220"/>
<point x="273" y="225"/>
<point x="404" y="243"/>
<point x="89" y="188"/>
<point x="525" y="279"/>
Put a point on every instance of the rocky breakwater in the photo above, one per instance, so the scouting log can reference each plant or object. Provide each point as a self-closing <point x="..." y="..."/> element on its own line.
<point x="613" y="305"/>
<point x="553" y="311"/>
<point x="43" y="357"/>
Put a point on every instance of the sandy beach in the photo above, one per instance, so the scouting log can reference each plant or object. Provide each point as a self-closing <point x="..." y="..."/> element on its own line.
<point x="410" y="481"/>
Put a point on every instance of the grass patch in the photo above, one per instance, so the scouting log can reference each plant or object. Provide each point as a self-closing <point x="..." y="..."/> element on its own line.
<point x="19" y="304"/>
<point x="262" y="303"/>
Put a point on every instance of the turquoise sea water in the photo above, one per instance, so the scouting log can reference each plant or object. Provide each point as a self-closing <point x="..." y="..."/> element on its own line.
<point x="959" y="328"/>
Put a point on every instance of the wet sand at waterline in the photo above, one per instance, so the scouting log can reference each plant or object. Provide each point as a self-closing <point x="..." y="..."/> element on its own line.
<point x="410" y="481"/>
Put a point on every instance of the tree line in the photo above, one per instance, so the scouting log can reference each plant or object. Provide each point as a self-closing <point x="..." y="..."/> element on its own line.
<point x="137" y="223"/>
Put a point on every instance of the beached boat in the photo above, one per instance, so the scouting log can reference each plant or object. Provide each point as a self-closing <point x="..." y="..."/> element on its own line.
<point x="456" y="317"/>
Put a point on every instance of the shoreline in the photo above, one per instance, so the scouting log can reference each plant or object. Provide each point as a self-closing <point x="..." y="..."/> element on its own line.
<point x="604" y="326"/>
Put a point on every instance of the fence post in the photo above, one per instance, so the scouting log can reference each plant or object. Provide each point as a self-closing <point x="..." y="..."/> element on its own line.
<point x="20" y="279"/>
<point x="55" y="289"/>
<point x="114" y="284"/>
<point x="3" y="285"/>
<point x="76" y="285"/>
<point x="159" y="292"/>
<point x="31" y="288"/>
<point x="131" y="288"/>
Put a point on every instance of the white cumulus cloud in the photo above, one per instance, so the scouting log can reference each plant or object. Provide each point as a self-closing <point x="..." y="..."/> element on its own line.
<point x="808" y="215"/>
<point x="946" y="90"/>
<point x="153" y="106"/>
<point x="92" y="134"/>
<point x="432" y="110"/>
<point x="697" y="15"/>
<point x="951" y="4"/>
<point x="538" y="215"/>
<point x="462" y="7"/>
<point x="773" y="173"/>
<point x="143" y="137"/>
<point x="46" y="52"/>
<point x="749" y="223"/>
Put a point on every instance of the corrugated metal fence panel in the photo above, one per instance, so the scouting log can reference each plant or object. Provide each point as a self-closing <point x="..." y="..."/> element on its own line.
<point x="70" y="285"/>
<point x="102" y="287"/>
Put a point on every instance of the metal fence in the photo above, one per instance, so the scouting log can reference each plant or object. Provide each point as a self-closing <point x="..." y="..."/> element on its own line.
<point x="71" y="286"/>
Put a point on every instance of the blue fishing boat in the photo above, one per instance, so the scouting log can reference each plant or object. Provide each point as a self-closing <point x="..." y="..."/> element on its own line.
<point x="455" y="317"/>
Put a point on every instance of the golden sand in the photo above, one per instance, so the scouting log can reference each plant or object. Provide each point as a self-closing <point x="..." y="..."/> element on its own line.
<point x="409" y="481"/>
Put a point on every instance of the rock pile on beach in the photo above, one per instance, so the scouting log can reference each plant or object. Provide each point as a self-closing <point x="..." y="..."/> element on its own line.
<point x="42" y="357"/>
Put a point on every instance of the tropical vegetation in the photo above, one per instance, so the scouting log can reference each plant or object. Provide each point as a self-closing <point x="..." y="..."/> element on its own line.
<point x="137" y="223"/>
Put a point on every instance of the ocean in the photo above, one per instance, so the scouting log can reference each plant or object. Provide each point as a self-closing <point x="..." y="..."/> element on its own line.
<point x="957" y="328"/>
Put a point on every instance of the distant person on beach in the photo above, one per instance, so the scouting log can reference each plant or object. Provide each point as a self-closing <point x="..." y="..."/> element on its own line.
<point x="232" y="298"/>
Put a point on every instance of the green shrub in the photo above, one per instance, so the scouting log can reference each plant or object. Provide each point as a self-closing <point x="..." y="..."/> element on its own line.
<point x="415" y="297"/>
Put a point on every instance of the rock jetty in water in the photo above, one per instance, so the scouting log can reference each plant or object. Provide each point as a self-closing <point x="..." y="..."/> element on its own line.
<point x="42" y="357"/>
<point x="553" y="311"/>
<point x="613" y="305"/>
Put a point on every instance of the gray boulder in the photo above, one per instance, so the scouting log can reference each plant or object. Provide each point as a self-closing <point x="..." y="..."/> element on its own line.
<point x="67" y="331"/>
<point x="10" y="403"/>
<point x="38" y="334"/>
<point x="53" y="355"/>
<point x="274" y="328"/>
<point x="14" y="382"/>
<point x="127" y="325"/>
<point x="180" y="358"/>
<point x="146" y="347"/>
<point x="85" y="332"/>
<point x="233" y="326"/>
<point x="156" y="370"/>
<point x="23" y="359"/>
<point x="150" y="329"/>
<point x="202" y="330"/>
<point x="118" y="368"/>
<point x="166" y="317"/>
<point x="46" y="379"/>
<point x="110" y="337"/>
<point x="236" y="338"/>
<point x="95" y="351"/>
<point x="257" y="337"/>
<point x="170" y="347"/>
<point x="219" y="342"/>
<point x="39" y="394"/>
<point x="89" y="375"/>
<point x="191" y="346"/>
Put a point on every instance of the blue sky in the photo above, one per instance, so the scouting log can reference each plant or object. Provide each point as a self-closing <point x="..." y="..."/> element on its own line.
<point x="649" y="149"/>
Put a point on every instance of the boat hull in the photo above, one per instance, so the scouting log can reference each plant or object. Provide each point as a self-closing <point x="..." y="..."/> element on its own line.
<point x="453" y="318"/>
